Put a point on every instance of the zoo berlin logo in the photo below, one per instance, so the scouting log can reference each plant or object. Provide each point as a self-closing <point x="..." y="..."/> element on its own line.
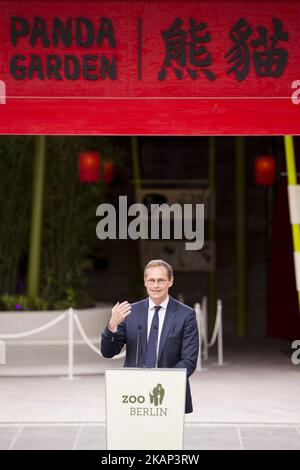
<point x="159" y="218"/>
<point x="156" y="397"/>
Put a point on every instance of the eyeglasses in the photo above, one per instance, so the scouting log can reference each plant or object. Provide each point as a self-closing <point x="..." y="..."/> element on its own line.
<point x="159" y="282"/>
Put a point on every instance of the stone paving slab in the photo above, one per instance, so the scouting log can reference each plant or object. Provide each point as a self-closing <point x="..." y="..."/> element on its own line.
<point x="92" y="437"/>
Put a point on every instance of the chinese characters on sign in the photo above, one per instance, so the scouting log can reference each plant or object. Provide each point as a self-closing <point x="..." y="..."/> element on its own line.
<point x="268" y="59"/>
<point x="177" y="46"/>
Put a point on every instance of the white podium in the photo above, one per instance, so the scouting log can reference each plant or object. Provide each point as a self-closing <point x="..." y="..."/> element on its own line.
<point x="145" y="408"/>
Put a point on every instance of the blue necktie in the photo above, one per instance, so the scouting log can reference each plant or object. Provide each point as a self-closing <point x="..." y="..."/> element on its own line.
<point x="151" y="352"/>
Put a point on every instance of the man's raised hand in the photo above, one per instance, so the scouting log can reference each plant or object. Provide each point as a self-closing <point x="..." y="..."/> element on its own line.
<point x="118" y="314"/>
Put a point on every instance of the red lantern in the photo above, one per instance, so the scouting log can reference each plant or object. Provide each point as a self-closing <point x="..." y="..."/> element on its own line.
<point x="265" y="170"/>
<point x="108" y="172"/>
<point x="89" y="166"/>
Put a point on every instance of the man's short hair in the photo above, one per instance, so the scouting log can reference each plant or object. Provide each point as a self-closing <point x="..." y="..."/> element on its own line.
<point x="159" y="262"/>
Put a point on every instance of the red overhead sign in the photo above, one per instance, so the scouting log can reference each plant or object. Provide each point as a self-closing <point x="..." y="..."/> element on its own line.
<point x="149" y="67"/>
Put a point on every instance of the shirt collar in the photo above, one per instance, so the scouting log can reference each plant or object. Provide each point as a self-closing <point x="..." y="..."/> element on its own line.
<point x="164" y="304"/>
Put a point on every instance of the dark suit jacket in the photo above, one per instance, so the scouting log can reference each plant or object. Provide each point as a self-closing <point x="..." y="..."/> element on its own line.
<point x="179" y="340"/>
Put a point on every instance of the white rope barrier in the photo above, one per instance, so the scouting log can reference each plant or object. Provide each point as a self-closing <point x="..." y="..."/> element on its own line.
<point x="201" y="315"/>
<point x="205" y="328"/>
<point x="197" y="308"/>
<point x="88" y="341"/>
<point x="71" y="318"/>
<point x="216" y="328"/>
<point x="35" y="330"/>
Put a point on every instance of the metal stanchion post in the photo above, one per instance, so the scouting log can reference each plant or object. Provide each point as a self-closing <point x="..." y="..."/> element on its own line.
<point x="197" y="309"/>
<point x="199" y="362"/>
<point x="220" y="334"/>
<point x="70" y="344"/>
<point x="2" y="353"/>
<point x="205" y="328"/>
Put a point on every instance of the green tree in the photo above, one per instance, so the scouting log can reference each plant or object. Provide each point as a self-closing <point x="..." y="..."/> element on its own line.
<point x="15" y="204"/>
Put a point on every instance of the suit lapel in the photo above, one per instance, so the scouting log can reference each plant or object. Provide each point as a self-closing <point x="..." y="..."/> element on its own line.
<point x="169" y="318"/>
<point x="143" y="321"/>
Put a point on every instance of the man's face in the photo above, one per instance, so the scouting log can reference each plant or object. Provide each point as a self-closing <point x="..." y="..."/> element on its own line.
<point x="157" y="282"/>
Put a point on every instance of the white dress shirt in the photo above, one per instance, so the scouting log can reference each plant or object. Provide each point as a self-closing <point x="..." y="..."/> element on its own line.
<point x="161" y="317"/>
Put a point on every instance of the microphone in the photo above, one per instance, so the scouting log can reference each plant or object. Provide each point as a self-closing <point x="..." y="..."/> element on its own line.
<point x="137" y="345"/>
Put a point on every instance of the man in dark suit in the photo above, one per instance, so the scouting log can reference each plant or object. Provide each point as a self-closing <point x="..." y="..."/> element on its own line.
<point x="158" y="331"/>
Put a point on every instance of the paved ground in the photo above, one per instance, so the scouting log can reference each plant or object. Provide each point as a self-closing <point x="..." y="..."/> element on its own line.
<point x="250" y="403"/>
<point x="197" y="437"/>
